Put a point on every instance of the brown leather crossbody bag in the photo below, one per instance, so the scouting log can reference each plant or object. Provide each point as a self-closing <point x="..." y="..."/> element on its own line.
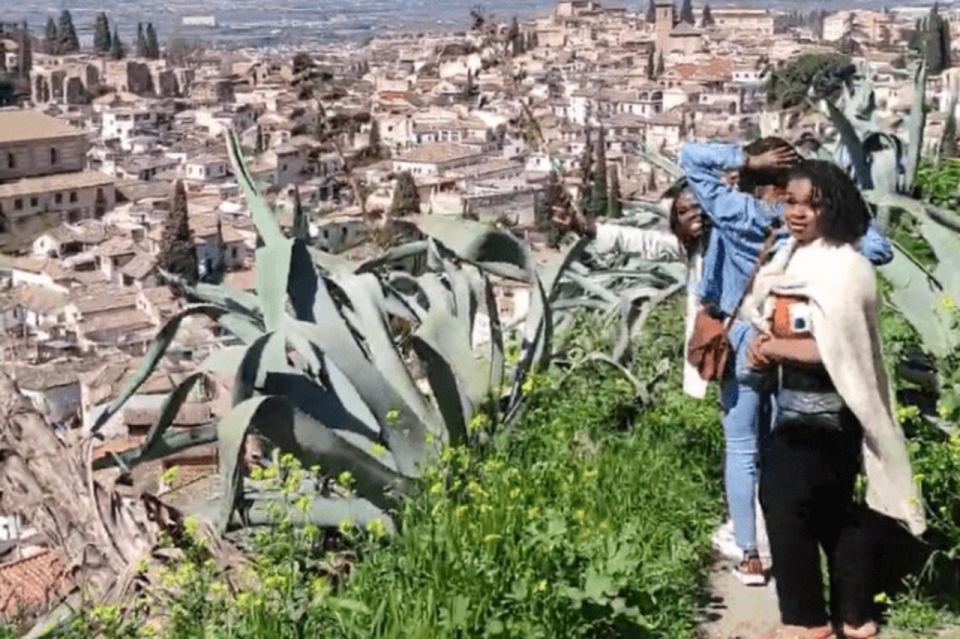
<point x="709" y="345"/>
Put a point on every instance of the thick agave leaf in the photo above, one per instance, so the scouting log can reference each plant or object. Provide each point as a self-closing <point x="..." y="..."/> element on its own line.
<point x="405" y="431"/>
<point x="369" y="305"/>
<point x="459" y="380"/>
<point x="171" y="406"/>
<point x="225" y="361"/>
<point x="915" y="127"/>
<point x="641" y="390"/>
<point x="852" y="145"/>
<point x="263" y="217"/>
<point x="323" y="512"/>
<point x="662" y="162"/>
<point x="306" y="439"/>
<point x="940" y="228"/>
<point x="272" y="274"/>
<point x="394" y="255"/>
<point x="232" y="299"/>
<point x="243" y="328"/>
<point x="919" y="300"/>
<point x="629" y="307"/>
<point x="330" y="263"/>
<point x="496" y="336"/>
<point x="170" y="443"/>
<point x="155" y="352"/>
<point x="495" y="251"/>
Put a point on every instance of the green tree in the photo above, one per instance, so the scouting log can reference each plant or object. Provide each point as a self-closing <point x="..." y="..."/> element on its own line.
<point x="852" y="35"/>
<point x="406" y="197"/>
<point x="117" y="50"/>
<point x="706" y="18"/>
<point x="948" y="146"/>
<point x="177" y="252"/>
<point x="686" y="12"/>
<point x="102" y="41"/>
<point x="152" y="45"/>
<point x="651" y="11"/>
<point x="661" y="66"/>
<point x="823" y="73"/>
<point x="615" y="203"/>
<point x="931" y="39"/>
<point x="51" y="39"/>
<point x="141" y="41"/>
<point x="652" y="64"/>
<point x="67" y="34"/>
<point x="600" y="189"/>
<point x="301" y="223"/>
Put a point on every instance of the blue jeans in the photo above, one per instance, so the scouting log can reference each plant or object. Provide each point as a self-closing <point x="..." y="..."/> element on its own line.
<point x="746" y="417"/>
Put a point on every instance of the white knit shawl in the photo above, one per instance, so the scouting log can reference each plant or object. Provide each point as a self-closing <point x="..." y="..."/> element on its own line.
<point x="841" y="287"/>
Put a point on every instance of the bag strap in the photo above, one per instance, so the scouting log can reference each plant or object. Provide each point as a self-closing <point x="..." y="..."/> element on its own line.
<point x="761" y="259"/>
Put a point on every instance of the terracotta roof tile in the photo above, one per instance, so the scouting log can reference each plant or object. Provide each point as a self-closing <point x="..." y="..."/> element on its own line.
<point x="31" y="583"/>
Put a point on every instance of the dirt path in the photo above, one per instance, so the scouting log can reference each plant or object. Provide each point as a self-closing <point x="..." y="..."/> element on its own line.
<point x="736" y="611"/>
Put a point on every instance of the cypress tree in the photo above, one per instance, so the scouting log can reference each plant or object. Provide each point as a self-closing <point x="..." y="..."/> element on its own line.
<point x="260" y="145"/>
<point x="600" y="195"/>
<point x="652" y="181"/>
<point x="102" y="42"/>
<point x="3" y="57"/>
<point x="152" y="45"/>
<point x="406" y="198"/>
<point x="141" y="41"/>
<point x="651" y="12"/>
<point x="661" y="67"/>
<point x="301" y="223"/>
<point x="586" y="175"/>
<point x="117" y="50"/>
<point x="686" y="12"/>
<point x="26" y="51"/>
<point x="706" y="19"/>
<point x="948" y="145"/>
<point x="50" y="38"/>
<point x="67" y="34"/>
<point x="375" y="140"/>
<point x="651" y="64"/>
<point x="615" y="204"/>
<point x="177" y="253"/>
<point x="515" y="38"/>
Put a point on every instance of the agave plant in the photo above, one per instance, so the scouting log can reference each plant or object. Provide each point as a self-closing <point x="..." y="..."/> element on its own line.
<point x="885" y="166"/>
<point x="318" y="371"/>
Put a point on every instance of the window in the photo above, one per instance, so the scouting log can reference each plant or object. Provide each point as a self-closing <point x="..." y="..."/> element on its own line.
<point x="34" y="202"/>
<point x="11" y="161"/>
<point x="18" y="204"/>
<point x="58" y="198"/>
<point x="73" y="196"/>
<point x="53" y="156"/>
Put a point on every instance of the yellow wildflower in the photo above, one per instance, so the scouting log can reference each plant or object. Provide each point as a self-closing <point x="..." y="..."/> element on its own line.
<point x="345" y="527"/>
<point x="376" y="528"/>
<point x="345" y="479"/>
<point x="377" y="450"/>
<point x="541" y="585"/>
<point x="491" y="538"/>
<point x="392" y="416"/>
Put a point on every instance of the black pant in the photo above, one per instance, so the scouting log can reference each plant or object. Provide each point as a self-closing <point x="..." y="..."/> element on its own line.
<point x="807" y="480"/>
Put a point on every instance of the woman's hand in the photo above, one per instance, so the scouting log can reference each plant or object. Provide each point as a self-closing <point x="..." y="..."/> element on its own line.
<point x="758" y="356"/>
<point x="765" y="351"/>
<point x="566" y="221"/>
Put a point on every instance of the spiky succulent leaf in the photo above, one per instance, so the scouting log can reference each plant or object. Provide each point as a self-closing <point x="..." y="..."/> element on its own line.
<point x="155" y="352"/>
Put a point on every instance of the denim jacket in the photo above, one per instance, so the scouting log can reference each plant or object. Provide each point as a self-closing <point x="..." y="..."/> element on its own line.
<point x="739" y="224"/>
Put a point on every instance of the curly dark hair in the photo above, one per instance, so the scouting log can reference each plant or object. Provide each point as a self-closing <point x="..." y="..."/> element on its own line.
<point x="750" y="180"/>
<point x="844" y="215"/>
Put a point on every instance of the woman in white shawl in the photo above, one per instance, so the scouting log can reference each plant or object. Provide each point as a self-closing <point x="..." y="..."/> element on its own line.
<point x="815" y="305"/>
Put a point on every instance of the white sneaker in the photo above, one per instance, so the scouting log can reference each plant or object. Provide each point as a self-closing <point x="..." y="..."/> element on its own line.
<point x="724" y="542"/>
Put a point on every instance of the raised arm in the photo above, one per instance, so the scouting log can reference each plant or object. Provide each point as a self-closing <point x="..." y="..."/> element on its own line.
<point x="647" y="244"/>
<point x="729" y="209"/>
